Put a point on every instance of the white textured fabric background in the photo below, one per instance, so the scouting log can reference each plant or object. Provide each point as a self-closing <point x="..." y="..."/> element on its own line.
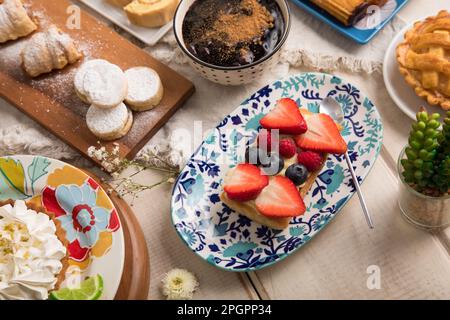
<point x="311" y="45"/>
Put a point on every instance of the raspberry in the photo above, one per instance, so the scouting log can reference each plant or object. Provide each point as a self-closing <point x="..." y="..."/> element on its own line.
<point x="311" y="160"/>
<point x="288" y="149"/>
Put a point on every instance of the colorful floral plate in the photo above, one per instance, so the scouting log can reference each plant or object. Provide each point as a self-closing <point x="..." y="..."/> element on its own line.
<point x="231" y="241"/>
<point x="92" y="225"/>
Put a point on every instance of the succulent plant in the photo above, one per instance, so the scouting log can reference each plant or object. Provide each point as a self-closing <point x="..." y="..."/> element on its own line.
<point x="421" y="151"/>
<point x="441" y="178"/>
<point x="444" y="137"/>
<point x="427" y="163"/>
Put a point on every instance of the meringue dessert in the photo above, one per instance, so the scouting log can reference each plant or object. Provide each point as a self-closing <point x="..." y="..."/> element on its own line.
<point x="32" y="252"/>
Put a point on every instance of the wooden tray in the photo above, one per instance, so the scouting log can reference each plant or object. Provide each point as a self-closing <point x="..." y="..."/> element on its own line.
<point x="135" y="281"/>
<point x="51" y="100"/>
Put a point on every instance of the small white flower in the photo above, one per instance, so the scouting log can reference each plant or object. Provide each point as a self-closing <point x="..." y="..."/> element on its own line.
<point x="98" y="154"/>
<point x="115" y="175"/>
<point x="107" y="166"/>
<point x="127" y="183"/>
<point x="91" y="150"/>
<point x="116" y="162"/>
<point x="179" y="284"/>
<point x="116" y="150"/>
<point x="171" y="180"/>
<point x="146" y="157"/>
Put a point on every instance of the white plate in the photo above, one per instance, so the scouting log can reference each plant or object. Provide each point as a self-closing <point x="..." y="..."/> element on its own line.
<point x="116" y="15"/>
<point x="402" y="94"/>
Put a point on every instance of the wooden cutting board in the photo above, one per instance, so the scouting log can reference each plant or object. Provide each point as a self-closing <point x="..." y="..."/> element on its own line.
<point x="51" y="100"/>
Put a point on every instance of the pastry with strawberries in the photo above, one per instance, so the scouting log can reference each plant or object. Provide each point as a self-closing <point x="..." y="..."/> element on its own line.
<point x="280" y="168"/>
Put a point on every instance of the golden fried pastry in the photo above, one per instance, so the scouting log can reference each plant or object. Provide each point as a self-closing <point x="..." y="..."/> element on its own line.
<point x="14" y="21"/>
<point x="424" y="59"/>
<point x="47" y="51"/>
<point x="347" y="11"/>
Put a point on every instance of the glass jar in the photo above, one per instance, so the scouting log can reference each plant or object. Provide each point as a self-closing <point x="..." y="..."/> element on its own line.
<point x="421" y="210"/>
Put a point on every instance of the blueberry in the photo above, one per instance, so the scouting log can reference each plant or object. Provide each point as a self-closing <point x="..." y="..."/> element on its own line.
<point x="297" y="173"/>
<point x="272" y="164"/>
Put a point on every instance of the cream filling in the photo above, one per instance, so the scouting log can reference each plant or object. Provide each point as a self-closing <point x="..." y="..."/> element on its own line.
<point x="30" y="253"/>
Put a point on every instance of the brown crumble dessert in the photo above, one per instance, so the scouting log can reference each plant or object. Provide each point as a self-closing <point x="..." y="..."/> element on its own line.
<point x="232" y="32"/>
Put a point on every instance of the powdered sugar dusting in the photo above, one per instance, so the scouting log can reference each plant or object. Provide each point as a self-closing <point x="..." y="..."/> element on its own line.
<point x="105" y="84"/>
<point x="81" y="73"/>
<point x="40" y="17"/>
<point x="14" y="21"/>
<point x="55" y="36"/>
<point x="59" y="86"/>
<point x="107" y="121"/>
<point x="143" y="83"/>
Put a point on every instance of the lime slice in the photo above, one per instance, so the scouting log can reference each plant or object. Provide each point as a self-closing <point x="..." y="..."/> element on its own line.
<point x="90" y="289"/>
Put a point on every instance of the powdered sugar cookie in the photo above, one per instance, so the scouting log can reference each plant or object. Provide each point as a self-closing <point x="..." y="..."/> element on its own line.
<point x="103" y="84"/>
<point x="79" y="77"/>
<point x="145" y="89"/>
<point x="109" y="124"/>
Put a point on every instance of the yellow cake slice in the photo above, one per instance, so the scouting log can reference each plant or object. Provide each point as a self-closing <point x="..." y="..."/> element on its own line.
<point x="348" y="11"/>
<point x="119" y="3"/>
<point x="151" y="13"/>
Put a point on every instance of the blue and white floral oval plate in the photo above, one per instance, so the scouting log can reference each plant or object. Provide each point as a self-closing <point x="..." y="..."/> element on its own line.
<point x="231" y="241"/>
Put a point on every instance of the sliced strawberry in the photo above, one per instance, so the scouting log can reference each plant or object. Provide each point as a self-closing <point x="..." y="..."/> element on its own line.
<point x="286" y="117"/>
<point x="265" y="139"/>
<point x="322" y="136"/>
<point x="245" y="182"/>
<point x="280" y="199"/>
